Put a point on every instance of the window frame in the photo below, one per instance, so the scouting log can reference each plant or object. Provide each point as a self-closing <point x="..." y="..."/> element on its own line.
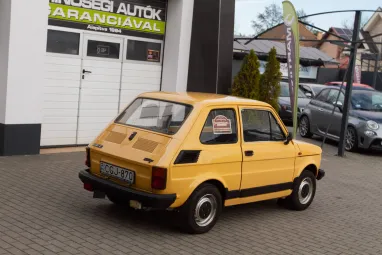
<point x="68" y="30"/>
<point x="148" y="130"/>
<point x="270" y="113"/>
<point x="236" y="120"/>
<point x="134" y="38"/>
<point x="319" y="94"/>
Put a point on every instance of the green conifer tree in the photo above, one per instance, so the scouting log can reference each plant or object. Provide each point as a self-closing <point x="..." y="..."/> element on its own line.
<point x="246" y="82"/>
<point x="270" y="81"/>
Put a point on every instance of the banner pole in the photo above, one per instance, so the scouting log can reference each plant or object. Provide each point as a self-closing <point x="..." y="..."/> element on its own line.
<point x="292" y="45"/>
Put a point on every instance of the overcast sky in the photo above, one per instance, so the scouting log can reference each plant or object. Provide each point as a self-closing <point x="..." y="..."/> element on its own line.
<point x="247" y="10"/>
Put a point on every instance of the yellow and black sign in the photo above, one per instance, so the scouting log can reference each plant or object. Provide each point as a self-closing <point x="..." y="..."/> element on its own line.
<point x="147" y="19"/>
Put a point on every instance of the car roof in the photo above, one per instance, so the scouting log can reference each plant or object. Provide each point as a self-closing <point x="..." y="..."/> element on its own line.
<point x="313" y="84"/>
<point x="354" y="84"/>
<point x="194" y="98"/>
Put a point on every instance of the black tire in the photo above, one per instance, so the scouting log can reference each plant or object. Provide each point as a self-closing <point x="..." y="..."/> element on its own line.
<point x="188" y="219"/>
<point x="301" y="199"/>
<point x="304" y="127"/>
<point x="354" y="146"/>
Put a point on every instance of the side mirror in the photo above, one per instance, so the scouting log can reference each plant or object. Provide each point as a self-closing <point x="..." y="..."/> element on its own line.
<point x="288" y="139"/>
<point x="308" y="94"/>
<point x="339" y="105"/>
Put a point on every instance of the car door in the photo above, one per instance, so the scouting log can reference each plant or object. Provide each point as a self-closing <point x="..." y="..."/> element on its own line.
<point x="268" y="164"/>
<point x="335" y="118"/>
<point x="316" y="106"/>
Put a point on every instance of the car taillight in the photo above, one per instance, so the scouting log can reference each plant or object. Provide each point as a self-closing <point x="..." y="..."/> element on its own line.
<point x="159" y="178"/>
<point x="87" y="161"/>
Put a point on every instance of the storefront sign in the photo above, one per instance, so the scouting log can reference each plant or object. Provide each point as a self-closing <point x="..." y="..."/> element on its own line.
<point x="307" y="72"/>
<point x="110" y="16"/>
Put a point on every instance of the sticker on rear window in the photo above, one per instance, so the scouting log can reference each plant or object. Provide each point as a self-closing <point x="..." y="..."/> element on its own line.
<point x="221" y="125"/>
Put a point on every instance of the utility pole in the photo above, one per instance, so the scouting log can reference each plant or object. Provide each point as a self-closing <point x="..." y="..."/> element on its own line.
<point x="377" y="58"/>
<point x="349" y="83"/>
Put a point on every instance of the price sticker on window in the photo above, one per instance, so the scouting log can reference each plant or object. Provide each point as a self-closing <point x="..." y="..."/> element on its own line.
<point x="221" y="125"/>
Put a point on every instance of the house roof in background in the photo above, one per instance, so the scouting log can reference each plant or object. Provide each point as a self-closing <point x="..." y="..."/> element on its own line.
<point x="373" y="19"/>
<point x="262" y="48"/>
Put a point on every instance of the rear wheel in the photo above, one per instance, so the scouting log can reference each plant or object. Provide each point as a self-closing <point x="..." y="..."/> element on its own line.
<point x="202" y="209"/>
<point x="304" y="127"/>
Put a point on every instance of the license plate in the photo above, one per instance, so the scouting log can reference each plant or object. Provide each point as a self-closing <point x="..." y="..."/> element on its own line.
<point x="117" y="172"/>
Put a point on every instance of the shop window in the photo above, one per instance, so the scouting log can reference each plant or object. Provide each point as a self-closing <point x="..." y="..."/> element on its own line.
<point x="220" y="127"/>
<point x="143" y="51"/>
<point x="63" y="42"/>
<point x="102" y="49"/>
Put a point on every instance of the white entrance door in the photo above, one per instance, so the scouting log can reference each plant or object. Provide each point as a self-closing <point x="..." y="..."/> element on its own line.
<point x="100" y="85"/>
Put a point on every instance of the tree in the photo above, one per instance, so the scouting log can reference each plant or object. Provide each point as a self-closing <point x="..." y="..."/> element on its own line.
<point x="246" y="82"/>
<point x="270" y="81"/>
<point x="272" y="16"/>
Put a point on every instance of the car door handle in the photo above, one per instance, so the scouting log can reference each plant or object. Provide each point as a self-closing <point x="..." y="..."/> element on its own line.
<point x="85" y="71"/>
<point x="248" y="153"/>
<point x="321" y="110"/>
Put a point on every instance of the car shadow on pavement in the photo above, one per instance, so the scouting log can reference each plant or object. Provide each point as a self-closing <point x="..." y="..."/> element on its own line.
<point x="167" y="221"/>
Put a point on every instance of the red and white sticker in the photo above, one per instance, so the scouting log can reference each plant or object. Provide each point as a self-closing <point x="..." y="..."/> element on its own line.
<point x="221" y="125"/>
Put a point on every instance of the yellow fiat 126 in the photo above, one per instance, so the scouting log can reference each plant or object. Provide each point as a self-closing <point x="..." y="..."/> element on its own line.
<point x="196" y="153"/>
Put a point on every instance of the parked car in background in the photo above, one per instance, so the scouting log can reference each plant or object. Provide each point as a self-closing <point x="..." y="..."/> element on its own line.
<point x="195" y="153"/>
<point x="338" y="83"/>
<point x="365" y="117"/>
<point x="311" y="89"/>
<point x="285" y="108"/>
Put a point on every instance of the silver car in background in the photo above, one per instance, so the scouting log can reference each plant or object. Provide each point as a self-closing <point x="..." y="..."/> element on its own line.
<point x="365" y="117"/>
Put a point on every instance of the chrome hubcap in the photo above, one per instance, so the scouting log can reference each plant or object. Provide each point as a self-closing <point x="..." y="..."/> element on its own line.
<point x="305" y="191"/>
<point x="349" y="139"/>
<point x="303" y="127"/>
<point x="205" y="210"/>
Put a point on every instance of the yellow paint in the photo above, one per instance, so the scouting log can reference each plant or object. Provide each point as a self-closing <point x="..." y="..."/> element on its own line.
<point x="273" y="161"/>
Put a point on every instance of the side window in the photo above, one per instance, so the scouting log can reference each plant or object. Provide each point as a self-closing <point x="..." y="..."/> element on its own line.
<point x="143" y="51"/>
<point x="332" y="97"/>
<point x="256" y="125"/>
<point x="63" y="42"/>
<point x="323" y="95"/>
<point x="277" y="133"/>
<point x="220" y="127"/>
<point x="260" y="125"/>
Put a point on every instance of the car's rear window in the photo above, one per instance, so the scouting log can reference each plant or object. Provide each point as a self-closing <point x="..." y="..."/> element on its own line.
<point x="155" y="115"/>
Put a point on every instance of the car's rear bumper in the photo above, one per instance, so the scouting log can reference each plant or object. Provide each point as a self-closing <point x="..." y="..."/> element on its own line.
<point x="321" y="174"/>
<point x="148" y="200"/>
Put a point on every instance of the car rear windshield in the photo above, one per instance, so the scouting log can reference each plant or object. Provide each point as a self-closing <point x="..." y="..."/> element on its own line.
<point x="155" y="115"/>
<point x="284" y="92"/>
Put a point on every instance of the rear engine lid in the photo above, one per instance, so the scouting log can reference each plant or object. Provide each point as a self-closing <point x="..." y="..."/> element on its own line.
<point x="125" y="155"/>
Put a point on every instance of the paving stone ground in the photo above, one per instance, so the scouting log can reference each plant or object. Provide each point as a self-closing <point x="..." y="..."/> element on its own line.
<point x="44" y="210"/>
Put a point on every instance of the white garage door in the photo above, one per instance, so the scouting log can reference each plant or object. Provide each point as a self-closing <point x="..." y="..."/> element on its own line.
<point x="89" y="78"/>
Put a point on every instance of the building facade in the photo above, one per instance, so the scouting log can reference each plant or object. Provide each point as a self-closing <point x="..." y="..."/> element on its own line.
<point x="69" y="66"/>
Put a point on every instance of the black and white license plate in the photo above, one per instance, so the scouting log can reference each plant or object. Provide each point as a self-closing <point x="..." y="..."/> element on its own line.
<point x="117" y="172"/>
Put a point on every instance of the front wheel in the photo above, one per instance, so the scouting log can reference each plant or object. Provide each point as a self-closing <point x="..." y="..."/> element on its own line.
<point x="202" y="209"/>
<point x="303" y="192"/>
<point x="351" y="139"/>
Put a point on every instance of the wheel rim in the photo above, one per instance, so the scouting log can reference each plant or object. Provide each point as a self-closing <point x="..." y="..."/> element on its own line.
<point x="303" y="127"/>
<point x="305" y="191"/>
<point x="349" y="139"/>
<point x="205" y="210"/>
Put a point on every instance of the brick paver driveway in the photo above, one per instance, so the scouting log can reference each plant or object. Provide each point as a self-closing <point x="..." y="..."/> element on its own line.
<point x="44" y="210"/>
